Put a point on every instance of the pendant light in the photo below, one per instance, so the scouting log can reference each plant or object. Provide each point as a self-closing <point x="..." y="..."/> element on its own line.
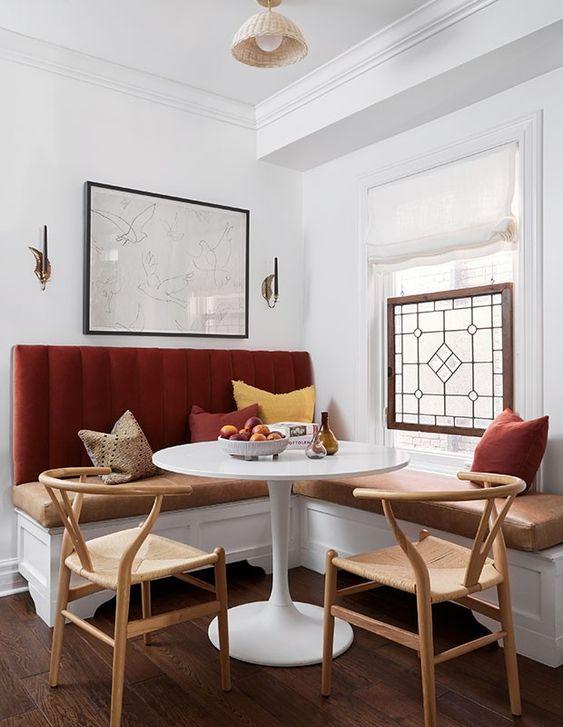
<point x="269" y="39"/>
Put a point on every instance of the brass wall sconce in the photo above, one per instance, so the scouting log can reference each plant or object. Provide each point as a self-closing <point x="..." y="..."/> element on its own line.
<point x="270" y="287"/>
<point x="42" y="262"/>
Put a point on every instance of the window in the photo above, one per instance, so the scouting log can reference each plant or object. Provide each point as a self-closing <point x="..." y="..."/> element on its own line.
<point x="498" y="267"/>
<point x="450" y="359"/>
<point x="424" y="232"/>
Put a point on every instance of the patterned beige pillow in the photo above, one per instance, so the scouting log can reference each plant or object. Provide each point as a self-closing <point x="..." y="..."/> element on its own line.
<point x="126" y="450"/>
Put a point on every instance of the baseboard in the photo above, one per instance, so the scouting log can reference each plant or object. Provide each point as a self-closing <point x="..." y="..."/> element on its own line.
<point x="10" y="579"/>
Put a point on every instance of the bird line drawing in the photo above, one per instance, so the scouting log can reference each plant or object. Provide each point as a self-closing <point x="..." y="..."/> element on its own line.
<point x="208" y="260"/>
<point x="134" y="231"/>
<point x="167" y="290"/>
<point x="172" y="230"/>
<point x="137" y="324"/>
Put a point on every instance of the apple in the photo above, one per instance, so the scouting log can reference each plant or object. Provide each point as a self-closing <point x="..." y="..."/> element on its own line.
<point x="274" y="435"/>
<point x="245" y="434"/>
<point x="253" y="422"/>
<point x="261" y="429"/>
<point x="258" y="437"/>
<point x="237" y="437"/>
<point x="227" y="431"/>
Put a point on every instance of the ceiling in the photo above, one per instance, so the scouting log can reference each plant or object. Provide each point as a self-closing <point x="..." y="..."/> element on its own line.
<point x="189" y="40"/>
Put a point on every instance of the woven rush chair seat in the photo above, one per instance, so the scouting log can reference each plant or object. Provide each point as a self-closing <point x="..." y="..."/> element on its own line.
<point x="446" y="562"/>
<point x="157" y="557"/>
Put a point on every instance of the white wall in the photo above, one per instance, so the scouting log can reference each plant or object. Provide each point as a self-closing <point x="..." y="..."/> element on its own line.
<point x="331" y="216"/>
<point x="55" y="133"/>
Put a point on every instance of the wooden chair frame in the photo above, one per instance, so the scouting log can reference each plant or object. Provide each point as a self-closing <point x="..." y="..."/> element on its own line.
<point x="488" y="536"/>
<point x="56" y="481"/>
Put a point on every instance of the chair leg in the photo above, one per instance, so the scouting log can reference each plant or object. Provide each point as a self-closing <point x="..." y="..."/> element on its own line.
<point x="146" y="606"/>
<point x="223" y="619"/>
<point x="510" y="658"/>
<point x="328" y="623"/>
<point x="58" y="631"/>
<point x="119" y="652"/>
<point x="424" y="607"/>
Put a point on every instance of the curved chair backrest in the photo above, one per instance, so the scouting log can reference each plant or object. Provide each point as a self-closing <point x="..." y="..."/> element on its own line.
<point x="61" y="481"/>
<point x="489" y="530"/>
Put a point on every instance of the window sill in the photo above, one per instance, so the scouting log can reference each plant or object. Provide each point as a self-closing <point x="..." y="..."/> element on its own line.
<point x="447" y="463"/>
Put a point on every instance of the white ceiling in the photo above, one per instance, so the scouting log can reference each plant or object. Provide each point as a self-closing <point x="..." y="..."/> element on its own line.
<point x="189" y="40"/>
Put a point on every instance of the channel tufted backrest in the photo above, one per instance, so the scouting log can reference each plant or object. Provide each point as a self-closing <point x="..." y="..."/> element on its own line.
<point x="61" y="389"/>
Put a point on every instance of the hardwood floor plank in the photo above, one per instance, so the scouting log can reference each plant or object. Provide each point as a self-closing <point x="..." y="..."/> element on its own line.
<point x="63" y="706"/>
<point x="284" y="703"/>
<point x="469" y="713"/>
<point x="169" y="704"/>
<point x="189" y="660"/>
<point x="33" y="718"/>
<point x="27" y="655"/>
<point x="406" y="709"/>
<point x="14" y="698"/>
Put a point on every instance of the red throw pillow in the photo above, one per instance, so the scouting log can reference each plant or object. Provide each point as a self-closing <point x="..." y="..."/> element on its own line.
<point x="512" y="446"/>
<point x="205" y="427"/>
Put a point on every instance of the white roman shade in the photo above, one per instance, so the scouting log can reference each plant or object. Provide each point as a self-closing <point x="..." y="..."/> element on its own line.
<point x="463" y="209"/>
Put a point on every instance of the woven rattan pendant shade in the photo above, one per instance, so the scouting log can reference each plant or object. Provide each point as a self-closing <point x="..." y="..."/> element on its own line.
<point x="293" y="47"/>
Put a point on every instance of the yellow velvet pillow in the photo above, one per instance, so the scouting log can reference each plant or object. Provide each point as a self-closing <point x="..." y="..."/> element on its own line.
<point x="296" y="406"/>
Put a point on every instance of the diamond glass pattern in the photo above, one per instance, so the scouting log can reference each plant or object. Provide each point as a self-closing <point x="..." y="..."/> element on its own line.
<point x="450" y="359"/>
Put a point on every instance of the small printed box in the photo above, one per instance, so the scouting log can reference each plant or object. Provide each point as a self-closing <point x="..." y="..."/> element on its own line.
<point x="300" y="433"/>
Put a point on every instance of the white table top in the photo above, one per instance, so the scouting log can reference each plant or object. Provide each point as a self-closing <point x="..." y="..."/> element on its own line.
<point x="206" y="459"/>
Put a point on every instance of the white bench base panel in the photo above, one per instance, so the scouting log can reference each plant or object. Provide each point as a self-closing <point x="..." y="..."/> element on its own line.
<point x="243" y="529"/>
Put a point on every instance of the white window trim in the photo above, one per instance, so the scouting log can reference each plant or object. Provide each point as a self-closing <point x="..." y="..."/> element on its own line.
<point x="528" y="311"/>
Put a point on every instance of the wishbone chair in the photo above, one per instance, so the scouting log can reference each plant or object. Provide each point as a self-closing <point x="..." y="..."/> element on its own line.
<point x="121" y="559"/>
<point x="435" y="570"/>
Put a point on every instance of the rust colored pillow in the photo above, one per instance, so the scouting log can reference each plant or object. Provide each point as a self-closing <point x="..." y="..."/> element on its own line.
<point x="512" y="446"/>
<point x="205" y="427"/>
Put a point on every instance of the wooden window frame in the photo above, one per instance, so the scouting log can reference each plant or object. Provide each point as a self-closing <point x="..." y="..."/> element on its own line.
<point x="506" y="291"/>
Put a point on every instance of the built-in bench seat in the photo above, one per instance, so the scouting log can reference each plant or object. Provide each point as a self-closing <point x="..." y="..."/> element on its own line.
<point x="534" y="522"/>
<point x="59" y="390"/>
<point x="32" y="498"/>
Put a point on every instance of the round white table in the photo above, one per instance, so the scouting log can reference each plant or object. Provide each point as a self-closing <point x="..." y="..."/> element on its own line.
<point x="280" y="632"/>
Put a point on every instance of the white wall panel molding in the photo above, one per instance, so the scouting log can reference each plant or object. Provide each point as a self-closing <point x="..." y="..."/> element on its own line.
<point x="400" y="36"/>
<point x="52" y="58"/>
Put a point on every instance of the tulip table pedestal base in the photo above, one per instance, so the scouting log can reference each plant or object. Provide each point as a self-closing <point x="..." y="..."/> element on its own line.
<point x="279" y="632"/>
<point x="262" y="633"/>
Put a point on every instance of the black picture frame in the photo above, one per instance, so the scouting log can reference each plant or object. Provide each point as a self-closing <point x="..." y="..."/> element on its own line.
<point x="88" y="329"/>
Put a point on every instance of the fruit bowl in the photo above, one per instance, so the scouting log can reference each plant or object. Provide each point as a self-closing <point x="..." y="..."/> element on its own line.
<point x="251" y="450"/>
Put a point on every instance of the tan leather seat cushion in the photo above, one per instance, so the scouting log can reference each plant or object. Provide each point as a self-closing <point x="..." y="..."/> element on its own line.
<point x="33" y="499"/>
<point x="534" y="521"/>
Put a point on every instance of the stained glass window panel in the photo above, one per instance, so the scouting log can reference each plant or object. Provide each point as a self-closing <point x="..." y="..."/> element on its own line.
<point x="450" y="359"/>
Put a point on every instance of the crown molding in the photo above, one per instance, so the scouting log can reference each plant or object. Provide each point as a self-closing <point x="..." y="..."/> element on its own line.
<point x="52" y="58"/>
<point x="400" y="36"/>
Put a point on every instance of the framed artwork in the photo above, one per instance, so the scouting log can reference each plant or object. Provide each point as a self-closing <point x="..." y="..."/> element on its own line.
<point x="450" y="359"/>
<point x="157" y="265"/>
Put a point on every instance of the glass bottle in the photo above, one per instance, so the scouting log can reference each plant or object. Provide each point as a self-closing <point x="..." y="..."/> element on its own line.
<point x="326" y="435"/>
<point x="316" y="449"/>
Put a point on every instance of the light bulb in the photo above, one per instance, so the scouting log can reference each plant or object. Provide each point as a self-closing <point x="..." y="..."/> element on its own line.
<point x="269" y="43"/>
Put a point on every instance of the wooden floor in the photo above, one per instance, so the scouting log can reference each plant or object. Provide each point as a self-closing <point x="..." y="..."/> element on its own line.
<point x="175" y="681"/>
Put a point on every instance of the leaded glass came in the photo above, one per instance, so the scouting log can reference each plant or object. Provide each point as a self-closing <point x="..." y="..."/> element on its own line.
<point x="450" y="359"/>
